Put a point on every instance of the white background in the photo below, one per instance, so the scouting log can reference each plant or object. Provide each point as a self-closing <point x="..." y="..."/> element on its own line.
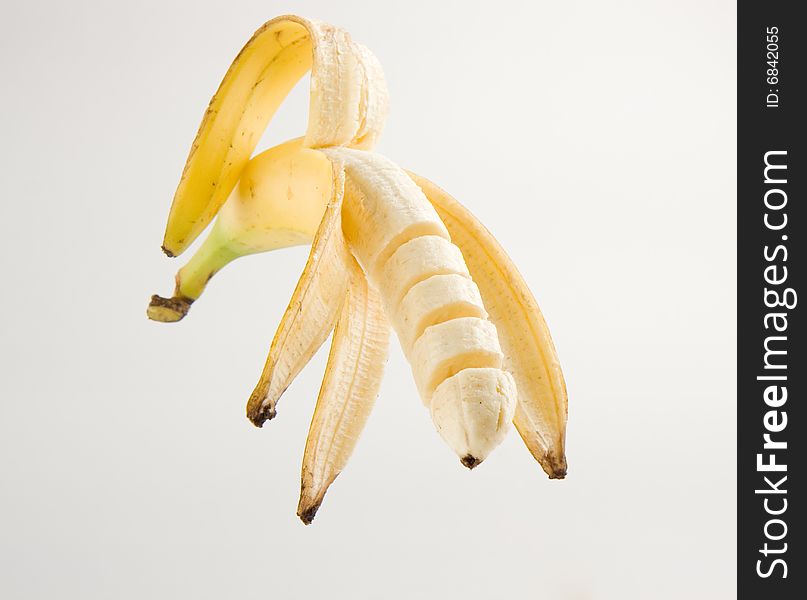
<point x="595" y="139"/>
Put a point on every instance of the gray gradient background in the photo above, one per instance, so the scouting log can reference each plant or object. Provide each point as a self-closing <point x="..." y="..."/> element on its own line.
<point x="595" y="139"/>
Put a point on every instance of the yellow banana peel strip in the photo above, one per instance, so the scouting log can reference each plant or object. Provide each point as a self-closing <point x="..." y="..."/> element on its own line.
<point x="349" y="389"/>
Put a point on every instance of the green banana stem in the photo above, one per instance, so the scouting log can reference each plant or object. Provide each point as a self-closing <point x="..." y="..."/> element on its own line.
<point x="213" y="255"/>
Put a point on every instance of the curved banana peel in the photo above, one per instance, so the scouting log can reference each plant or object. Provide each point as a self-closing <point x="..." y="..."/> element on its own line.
<point x="529" y="353"/>
<point x="348" y="106"/>
<point x="312" y="311"/>
<point x="349" y="389"/>
<point x="385" y="244"/>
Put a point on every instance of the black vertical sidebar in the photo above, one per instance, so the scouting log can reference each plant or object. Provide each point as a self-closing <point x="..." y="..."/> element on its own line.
<point x="772" y="368"/>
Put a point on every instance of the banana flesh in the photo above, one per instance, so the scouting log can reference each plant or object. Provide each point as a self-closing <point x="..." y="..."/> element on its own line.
<point x="387" y="247"/>
<point x="435" y="300"/>
<point x="376" y="229"/>
<point x="447" y="348"/>
<point x="472" y="411"/>
<point x="415" y="261"/>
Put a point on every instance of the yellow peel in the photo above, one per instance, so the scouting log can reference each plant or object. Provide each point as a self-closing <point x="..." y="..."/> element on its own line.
<point x="349" y="389"/>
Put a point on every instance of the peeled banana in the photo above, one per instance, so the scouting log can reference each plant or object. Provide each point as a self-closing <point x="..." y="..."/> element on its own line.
<point x="388" y="249"/>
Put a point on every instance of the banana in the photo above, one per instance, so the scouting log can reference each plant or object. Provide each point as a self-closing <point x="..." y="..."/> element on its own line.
<point x="529" y="353"/>
<point x="387" y="248"/>
<point x="348" y="393"/>
<point x="348" y="106"/>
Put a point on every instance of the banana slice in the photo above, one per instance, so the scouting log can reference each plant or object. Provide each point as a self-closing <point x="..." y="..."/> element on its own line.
<point x="447" y="348"/>
<point x="435" y="300"/>
<point x="416" y="261"/>
<point x="472" y="411"/>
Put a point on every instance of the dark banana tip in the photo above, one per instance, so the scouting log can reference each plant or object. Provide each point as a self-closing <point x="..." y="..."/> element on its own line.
<point x="470" y="461"/>
<point x="555" y="466"/>
<point x="261" y="414"/>
<point x="558" y="474"/>
<point x="307" y="515"/>
<point x="167" y="252"/>
<point x="168" y="310"/>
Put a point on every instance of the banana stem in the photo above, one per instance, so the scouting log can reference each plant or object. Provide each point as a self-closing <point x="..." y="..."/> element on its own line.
<point x="213" y="254"/>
